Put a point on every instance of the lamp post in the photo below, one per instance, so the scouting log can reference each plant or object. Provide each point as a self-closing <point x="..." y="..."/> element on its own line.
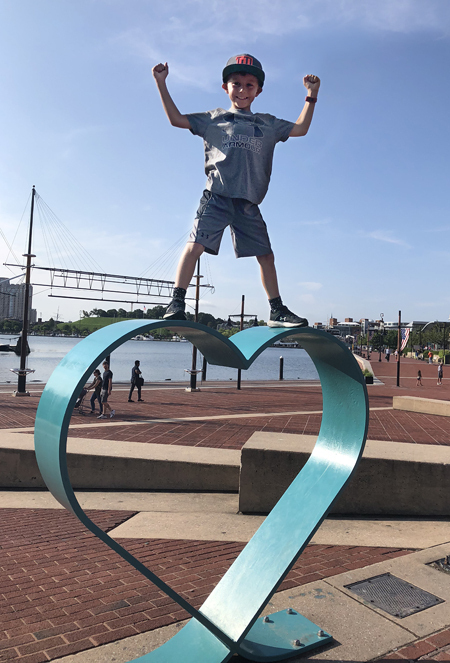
<point x="443" y="344"/>
<point x="382" y="335"/>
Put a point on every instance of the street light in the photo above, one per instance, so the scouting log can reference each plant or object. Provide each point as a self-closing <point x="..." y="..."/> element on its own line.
<point x="382" y="335"/>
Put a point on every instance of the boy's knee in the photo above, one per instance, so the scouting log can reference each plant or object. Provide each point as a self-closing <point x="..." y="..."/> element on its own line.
<point x="194" y="248"/>
<point x="266" y="259"/>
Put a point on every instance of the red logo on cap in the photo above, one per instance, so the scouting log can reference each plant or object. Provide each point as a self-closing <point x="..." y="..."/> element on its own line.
<point x="244" y="59"/>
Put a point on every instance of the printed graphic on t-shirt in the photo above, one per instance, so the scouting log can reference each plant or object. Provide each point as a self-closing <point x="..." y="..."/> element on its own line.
<point x="241" y="134"/>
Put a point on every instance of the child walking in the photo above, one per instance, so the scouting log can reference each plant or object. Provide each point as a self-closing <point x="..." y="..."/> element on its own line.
<point x="239" y="146"/>
<point x="419" y="379"/>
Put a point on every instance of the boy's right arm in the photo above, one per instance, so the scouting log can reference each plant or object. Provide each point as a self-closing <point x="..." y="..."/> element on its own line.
<point x="176" y="119"/>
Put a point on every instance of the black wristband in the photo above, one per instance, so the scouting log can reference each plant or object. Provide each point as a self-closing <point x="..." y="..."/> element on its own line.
<point x="311" y="100"/>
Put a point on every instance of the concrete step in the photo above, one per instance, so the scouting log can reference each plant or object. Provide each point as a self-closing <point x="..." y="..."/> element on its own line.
<point x="215" y="517"/>
<point x="393" y="478"/>
<point x="422" y="405"/>
<point x="110" y="465"/>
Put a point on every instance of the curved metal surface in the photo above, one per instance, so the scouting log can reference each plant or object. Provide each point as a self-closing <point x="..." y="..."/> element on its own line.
<point x="234" y="605"/>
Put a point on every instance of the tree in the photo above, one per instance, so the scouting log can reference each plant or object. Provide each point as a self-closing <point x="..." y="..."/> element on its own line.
<point x="391" y="338"/>
<point x="229" y="332"/>
<point x="207" y="319"/>
<point x="85" y="314"/>
<point x="155" y="313"/>
<point x="377" y="341"/>
<point x="121" y="313"/>
<point x="162" y="333"/>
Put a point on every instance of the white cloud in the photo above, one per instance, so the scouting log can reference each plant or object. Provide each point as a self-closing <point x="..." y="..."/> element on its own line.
<point x="307" y="299"/>
<point x="194" y="35"/>
<point x="387" y="236"/>
<point x="193" y="26"/>
<point x="320" y="222"/>
<point x="310" y="285"/>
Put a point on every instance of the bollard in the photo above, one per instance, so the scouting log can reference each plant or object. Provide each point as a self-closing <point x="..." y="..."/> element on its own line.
<point x="204" y="369"/>
<point x="281" y="368"/>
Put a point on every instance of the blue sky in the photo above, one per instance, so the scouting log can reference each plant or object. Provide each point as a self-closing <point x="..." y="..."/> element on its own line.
<point x="358" y="210"/>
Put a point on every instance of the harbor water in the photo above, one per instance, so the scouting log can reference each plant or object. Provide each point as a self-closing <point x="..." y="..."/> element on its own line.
<point x="160" y="361"/>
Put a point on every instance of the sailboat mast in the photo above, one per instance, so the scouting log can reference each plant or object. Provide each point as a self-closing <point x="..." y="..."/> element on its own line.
<point x="22" y="380"/>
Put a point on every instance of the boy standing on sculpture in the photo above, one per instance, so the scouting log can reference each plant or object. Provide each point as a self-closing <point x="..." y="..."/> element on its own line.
<point x="239" y="148"/>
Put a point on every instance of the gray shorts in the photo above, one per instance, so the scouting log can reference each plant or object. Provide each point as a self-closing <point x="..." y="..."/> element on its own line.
<point x="248" y="229"/>
<point x="104" y="395"/>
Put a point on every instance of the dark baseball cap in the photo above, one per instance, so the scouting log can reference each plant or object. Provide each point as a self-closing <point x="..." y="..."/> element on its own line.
<point x="247" y="63"/>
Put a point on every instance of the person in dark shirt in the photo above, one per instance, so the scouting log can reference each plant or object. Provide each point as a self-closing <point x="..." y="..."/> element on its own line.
<point x="96" y="385"/>
<point x="106" y="392"/>
<point x="136" y="381"/>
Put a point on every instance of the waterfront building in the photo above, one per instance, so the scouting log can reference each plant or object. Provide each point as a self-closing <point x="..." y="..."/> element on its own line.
<point x="12" y="298"/>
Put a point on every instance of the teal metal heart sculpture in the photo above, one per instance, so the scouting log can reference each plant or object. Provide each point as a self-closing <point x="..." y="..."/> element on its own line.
<point x="227" y="623"/>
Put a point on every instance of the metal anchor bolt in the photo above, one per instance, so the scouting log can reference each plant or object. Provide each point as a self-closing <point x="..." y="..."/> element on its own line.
<point x="320" y="633"/>
<point x="266" y="619"/>
<point x="296" y="643"/>
<point x="290" y="611"/>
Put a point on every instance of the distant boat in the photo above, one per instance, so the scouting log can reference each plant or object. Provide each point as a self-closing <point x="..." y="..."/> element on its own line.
<point x="17" y="349"/>
<point x="286" y="344"/>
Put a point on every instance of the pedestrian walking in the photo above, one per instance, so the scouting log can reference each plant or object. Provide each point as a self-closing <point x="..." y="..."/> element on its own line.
<point x="396" y="354"/>
<point x="430" y="357"/>
<point x="96" y="385"/>
<point x="419" y="379"/>
<point x="440" y="374"/>
<point x="106" y="392"/>
<point x="387" y="354"/>
<point x="136" y="381"/>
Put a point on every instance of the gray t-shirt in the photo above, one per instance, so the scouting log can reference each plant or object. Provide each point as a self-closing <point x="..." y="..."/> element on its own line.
<point x="239" y="149"/>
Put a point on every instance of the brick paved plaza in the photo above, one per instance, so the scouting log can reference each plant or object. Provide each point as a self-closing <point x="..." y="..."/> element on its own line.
<point x="63" y="591"/>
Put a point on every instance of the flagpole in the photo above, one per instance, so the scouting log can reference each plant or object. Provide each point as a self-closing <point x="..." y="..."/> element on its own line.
<point x="399" y="342"/>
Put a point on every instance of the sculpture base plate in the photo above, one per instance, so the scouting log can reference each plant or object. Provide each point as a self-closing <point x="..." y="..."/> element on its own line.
<point x="279" y="637"/>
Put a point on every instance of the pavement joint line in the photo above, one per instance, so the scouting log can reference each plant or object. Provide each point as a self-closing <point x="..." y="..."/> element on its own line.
<point x="248" y="415"/>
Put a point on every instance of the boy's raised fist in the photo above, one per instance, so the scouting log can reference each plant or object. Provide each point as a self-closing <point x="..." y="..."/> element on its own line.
<point x="160" y="71"/>
<point x="311" y="83"/>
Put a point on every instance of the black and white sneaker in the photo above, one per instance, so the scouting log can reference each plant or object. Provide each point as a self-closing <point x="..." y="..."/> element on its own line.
<point x="283" y="317"/>
<point x="175" y="310"/>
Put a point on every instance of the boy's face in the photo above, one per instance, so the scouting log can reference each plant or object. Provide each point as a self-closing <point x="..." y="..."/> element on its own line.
<point x="242" y="90"/>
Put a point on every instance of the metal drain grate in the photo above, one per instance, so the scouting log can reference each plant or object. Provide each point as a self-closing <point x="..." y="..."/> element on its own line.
<point x="394" y="595"/>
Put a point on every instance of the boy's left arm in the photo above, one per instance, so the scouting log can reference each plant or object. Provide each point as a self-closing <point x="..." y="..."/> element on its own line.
<point x="312" y="84"/>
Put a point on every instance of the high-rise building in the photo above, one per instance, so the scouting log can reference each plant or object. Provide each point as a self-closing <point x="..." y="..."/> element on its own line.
<point x="12" y="299"/>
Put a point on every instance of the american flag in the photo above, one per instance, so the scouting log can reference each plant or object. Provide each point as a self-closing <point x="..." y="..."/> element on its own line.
<point x="405" y="335"/>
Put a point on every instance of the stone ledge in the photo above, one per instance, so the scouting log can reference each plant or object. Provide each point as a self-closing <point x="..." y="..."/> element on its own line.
<point x="392" y="478"/>
<point x="422" y="405"/>
<point x="110" y="465"/>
